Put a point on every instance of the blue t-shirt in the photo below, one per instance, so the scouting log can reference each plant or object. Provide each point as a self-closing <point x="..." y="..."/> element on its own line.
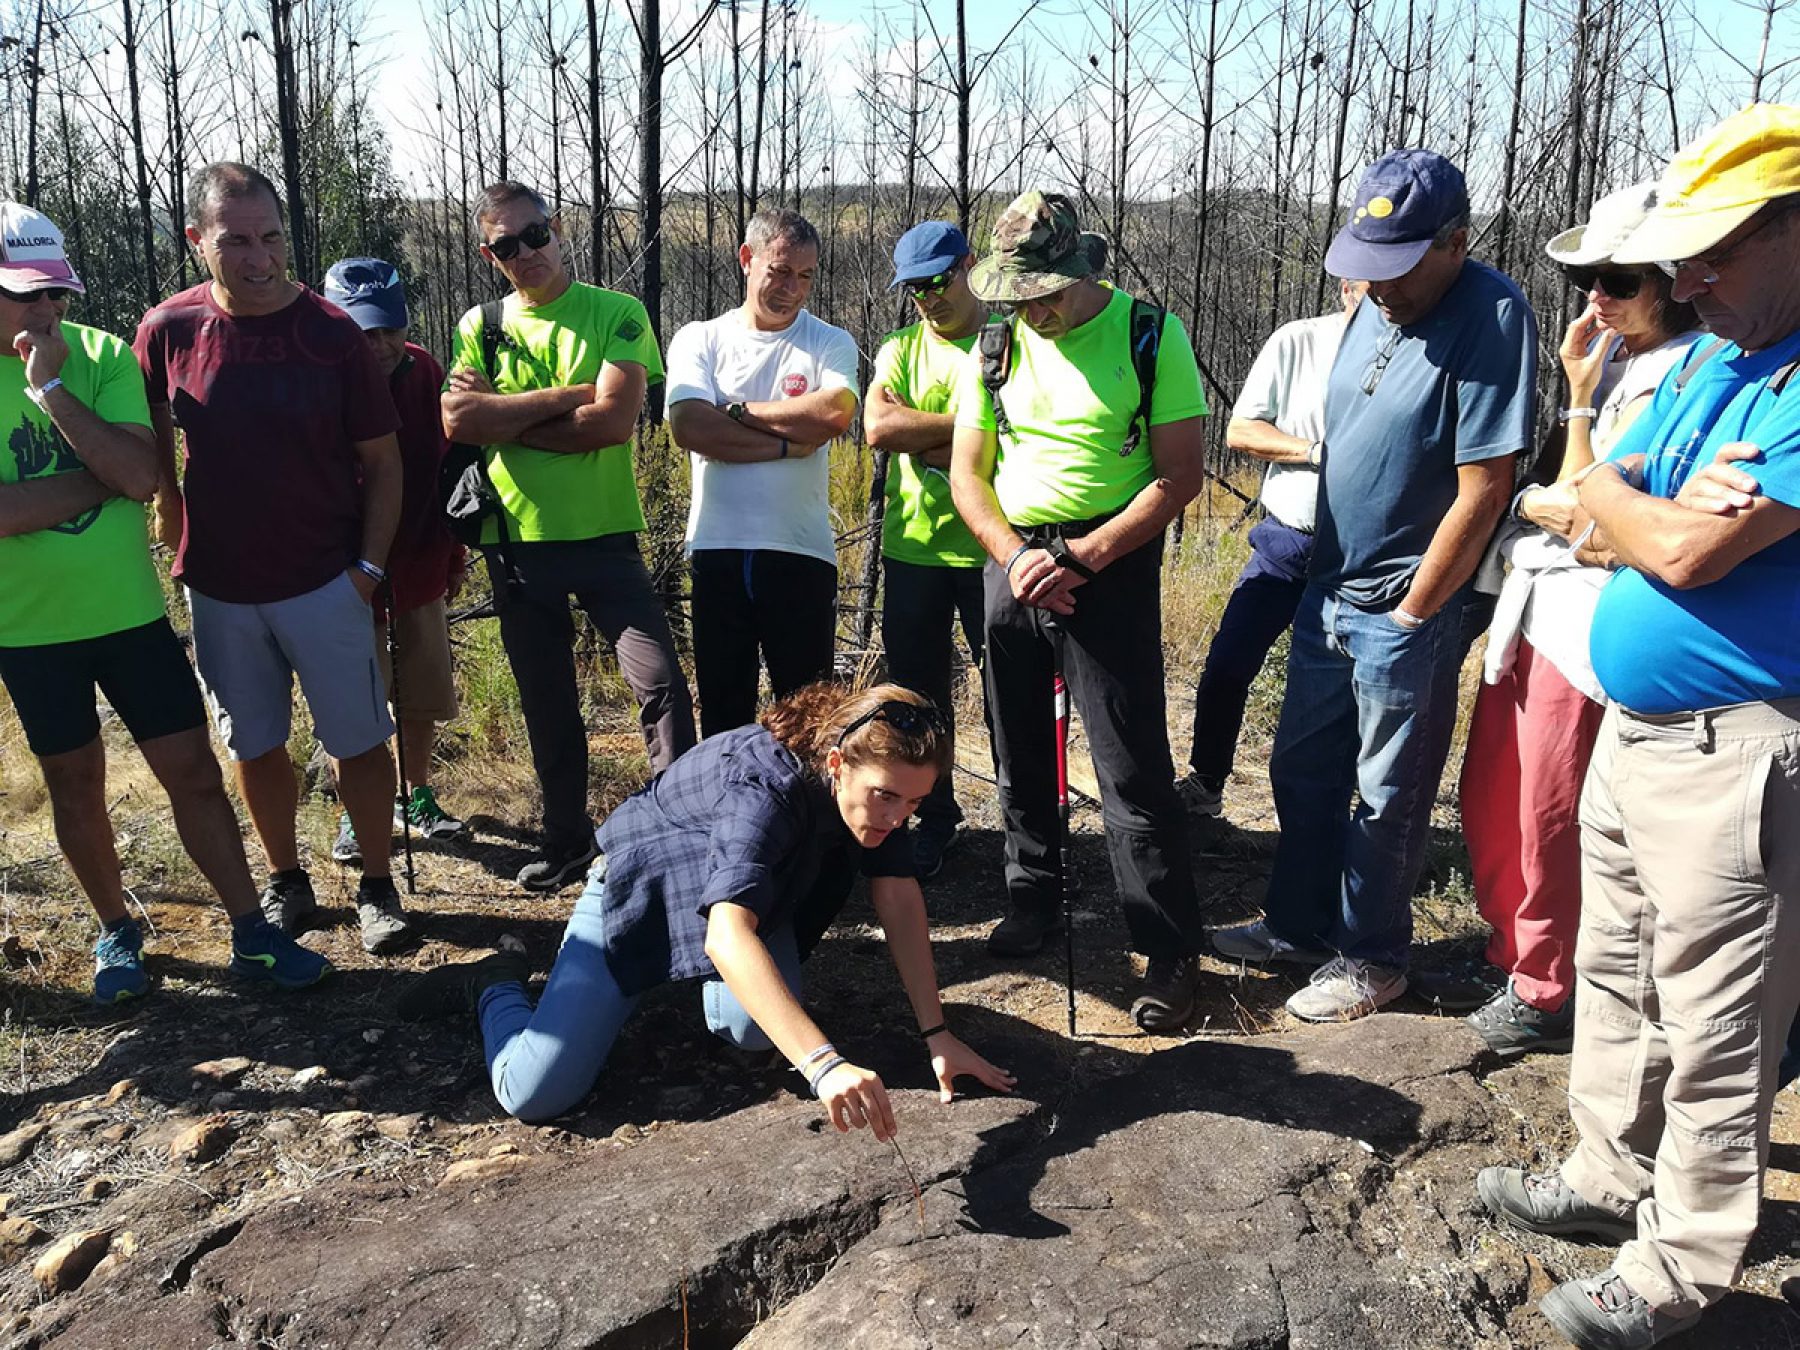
<point x="1454" y="388"/>
<point x="736" y="819"/>
<point x="1656" y="649"/>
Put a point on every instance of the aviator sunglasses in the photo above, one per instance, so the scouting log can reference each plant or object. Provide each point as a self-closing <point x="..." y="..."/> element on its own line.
<point x="1620" y="285"/>
<point x="534" y="235"/>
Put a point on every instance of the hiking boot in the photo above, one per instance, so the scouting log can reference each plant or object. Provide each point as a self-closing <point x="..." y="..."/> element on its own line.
<point x="1201" y="796"/>
<point x="1462" y="985"/>
<point x="267" y="955"/>
<point x="1258" y="943"/>
<point x="457" y="988"/>
<point x="931" y="840"/>
<point x="385" y="927"/>
<point x="288" y="901"/>
<point x="1344" y="989"/>
<point x="1168" y="995"/>
<point x="1512" y="1027"/>
<point x="1023" y="932"/>
<point x="1605" y="1313"/>
<point x="1543" y="1202"/>
<point x="557" y="867"/>
<point x="119" y="963"/>
<point x="345" y="849"/>
<point x="427" y="819"/>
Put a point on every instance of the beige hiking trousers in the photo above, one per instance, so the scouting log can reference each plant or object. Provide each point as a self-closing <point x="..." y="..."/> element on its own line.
<point x="1687" y="978"/>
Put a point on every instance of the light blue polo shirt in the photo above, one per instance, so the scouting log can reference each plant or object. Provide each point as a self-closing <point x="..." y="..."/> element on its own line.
<point x="1454" y="388"/>
<point x="1656" y="649"/>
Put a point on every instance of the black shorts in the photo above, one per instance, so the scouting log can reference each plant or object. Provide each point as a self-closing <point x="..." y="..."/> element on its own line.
<point x="143" y="673"/>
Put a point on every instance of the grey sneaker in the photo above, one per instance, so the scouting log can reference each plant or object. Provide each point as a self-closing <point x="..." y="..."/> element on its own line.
<point x="1201" y="796"/>
<point x="1512" y="1027"/>
<point x="458" y="988"/>
<point x="1344" y="989"/>
<point x="345" y="849"/>
<point x="1023" y="932"/>
<point x="556" y="867"/>
<point x="1543" y="1202"/>
<point x="1168" y="996"/>
<point x="1257" y="943"/>
<point x="1605" y="1313"/>
<point x="288" y="901"/>
<point x="385" y="927"/>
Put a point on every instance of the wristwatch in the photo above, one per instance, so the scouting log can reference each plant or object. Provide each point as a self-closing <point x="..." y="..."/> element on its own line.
<point x="735" y="411"/>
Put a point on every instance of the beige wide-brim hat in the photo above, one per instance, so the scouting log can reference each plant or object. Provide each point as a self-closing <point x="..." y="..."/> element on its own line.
<point x="1611" y="221"/>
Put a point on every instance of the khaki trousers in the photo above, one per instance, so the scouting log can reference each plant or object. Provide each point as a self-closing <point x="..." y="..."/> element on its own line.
<point x="1687" y="978"/>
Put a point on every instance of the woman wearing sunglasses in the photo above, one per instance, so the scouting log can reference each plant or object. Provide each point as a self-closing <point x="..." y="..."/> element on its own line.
<point x="1539" y="707"/>
<point x="728" y="867"/>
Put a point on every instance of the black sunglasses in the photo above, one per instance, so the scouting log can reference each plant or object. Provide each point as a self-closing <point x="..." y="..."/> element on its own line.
<point x="55" y="294"/>
<point x="534" y="235"/>
<point x="909" y="719"/>
<point x="1384" y="353"/>
<point x="1617" y="284"/>
<point x="928" y="285"/>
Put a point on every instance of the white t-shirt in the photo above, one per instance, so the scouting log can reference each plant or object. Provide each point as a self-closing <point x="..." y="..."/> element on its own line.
<point x="782" y="504"/>
<point x="1286" y="386"/>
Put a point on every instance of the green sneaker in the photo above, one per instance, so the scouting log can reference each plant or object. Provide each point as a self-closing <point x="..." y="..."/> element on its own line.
<point x="427" y="818"/>
<point x="119" y="964"/>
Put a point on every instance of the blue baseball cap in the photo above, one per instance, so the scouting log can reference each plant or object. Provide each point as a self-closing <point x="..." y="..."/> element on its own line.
<point x="1403" y="200"/>
<point x="928" y="250"/>
<point x="369" y="291"/>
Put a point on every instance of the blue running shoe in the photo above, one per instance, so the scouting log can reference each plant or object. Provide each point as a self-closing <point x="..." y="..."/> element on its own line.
<point x="119" y="964"/>
<point x="269" y="956"/>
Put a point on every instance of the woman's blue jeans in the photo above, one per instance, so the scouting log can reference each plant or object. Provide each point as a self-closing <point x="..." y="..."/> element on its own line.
<point x="544" y="1060"/>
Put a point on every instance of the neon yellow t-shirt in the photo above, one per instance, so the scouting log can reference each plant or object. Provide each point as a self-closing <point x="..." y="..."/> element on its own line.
<point x="921" y="525"/>
<point x="91" y="575"/>
<point x="548" y="495"/>
<point x="1070" y="402"/>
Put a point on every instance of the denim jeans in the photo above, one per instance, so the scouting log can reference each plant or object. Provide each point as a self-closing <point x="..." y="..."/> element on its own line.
<point x="542" y="1061"/>
<point x="1259" y="611"/>
<point x="1370" y="708"/>
<point x="919" y="607"/>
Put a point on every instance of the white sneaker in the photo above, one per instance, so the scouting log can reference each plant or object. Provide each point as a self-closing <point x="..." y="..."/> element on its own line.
<point x="1256" y="942"/>
<point x="1344" y="989"/>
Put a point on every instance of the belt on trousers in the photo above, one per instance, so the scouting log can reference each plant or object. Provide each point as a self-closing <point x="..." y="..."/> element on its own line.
<point x="1702" y="726"/>
<point x="1039" y="535"/>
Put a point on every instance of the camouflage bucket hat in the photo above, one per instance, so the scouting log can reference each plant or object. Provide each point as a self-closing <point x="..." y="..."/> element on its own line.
<point x="1037" y="249"/>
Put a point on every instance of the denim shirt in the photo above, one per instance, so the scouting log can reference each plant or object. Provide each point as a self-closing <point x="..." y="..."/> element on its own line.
<point x="738" y="819"/>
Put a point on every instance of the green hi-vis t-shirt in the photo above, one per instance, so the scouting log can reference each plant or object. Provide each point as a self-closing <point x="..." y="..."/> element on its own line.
<point x="90" y="575"/>
<point x="921" y="525"/>
<point x="1070" y="402"/>
<point x="548" y="495"/>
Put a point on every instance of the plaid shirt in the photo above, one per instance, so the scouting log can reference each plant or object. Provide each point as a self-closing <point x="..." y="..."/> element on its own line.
<point x="736" y="819"/>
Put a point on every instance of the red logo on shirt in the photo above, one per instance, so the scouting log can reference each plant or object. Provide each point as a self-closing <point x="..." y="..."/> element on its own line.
<point x="793" y="385"/>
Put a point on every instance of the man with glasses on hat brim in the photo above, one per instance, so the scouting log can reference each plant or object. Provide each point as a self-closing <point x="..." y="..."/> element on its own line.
<point x="1429" y="403"/>
<point x="425" y="566"/>
<point x="81" y="607"/>
<point x="931" y="563"/>
<point x="282" y="518"/>
<point x="1073" y="530"/>
<point x="571" y="366"/>
<point x="1688" y="960"/>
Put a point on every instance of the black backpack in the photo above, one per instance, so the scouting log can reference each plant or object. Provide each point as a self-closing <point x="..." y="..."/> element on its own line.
<point x="994" y="347"/>
<point x="465" y="491"/>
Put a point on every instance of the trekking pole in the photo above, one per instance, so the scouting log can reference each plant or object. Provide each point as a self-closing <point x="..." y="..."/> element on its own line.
<point x="393" y="646"/>
<point x="1064" y="873"/>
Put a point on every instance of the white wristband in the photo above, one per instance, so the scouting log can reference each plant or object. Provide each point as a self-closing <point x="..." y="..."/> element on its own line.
<point x="1406" y="619"/>
<point x="1570" y="414"/>
<point x="1315" y="454"/>
<point x="1582" y="538"/>
<point x="38" y="396"/>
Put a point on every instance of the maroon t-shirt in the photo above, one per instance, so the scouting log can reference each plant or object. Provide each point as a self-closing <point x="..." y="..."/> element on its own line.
<point x="425" y="552"/>
<point x="269" y="407"/>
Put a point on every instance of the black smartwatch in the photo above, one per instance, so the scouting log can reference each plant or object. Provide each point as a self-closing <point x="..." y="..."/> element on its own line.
<point x="735" y="411"/>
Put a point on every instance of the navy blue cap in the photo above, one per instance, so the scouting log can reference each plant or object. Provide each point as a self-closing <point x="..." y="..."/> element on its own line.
<point x="1404" y="199"/>
<point x="369" y="291"/>
<point x="928" y="250"/>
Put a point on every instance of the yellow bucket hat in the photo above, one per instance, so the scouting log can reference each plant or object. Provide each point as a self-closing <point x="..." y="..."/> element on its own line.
<point x="1718" y="182"/>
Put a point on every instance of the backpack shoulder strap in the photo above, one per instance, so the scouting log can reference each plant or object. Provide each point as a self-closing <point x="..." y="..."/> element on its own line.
<point x="1698" y="355"/>
<point x="993" y="348"/>
<point x="492" y="335"/>
<point x="1779" y="380"/>
<point x="1146" y="344"/>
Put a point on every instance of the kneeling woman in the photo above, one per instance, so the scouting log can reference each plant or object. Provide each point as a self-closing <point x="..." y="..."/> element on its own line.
<point x="729" y="866"/>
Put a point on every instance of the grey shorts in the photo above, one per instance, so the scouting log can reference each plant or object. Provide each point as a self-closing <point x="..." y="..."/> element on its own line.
<point x="248" y="655"/>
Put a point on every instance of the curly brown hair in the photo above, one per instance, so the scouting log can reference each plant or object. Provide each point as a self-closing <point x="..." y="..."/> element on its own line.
<point x="811" y="721"/>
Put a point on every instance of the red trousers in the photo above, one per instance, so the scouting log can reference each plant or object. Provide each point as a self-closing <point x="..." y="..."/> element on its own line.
<point x="1529" y="744"/>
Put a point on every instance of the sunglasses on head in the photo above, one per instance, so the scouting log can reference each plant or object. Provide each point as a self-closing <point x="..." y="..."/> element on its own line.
<point x="909" y="719"/>
<point x="54" y="294"/>
<point x="928" y="285"/>
<point x="507" y="246"/>
<point x="1620" y="285"/>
